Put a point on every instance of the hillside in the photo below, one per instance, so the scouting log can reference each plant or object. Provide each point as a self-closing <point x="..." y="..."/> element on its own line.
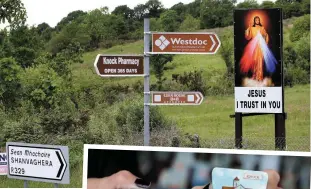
<point x="211" y="119"/>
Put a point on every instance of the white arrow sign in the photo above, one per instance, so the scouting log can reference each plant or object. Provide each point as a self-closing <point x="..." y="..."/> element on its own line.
<point x="39" y="163"/>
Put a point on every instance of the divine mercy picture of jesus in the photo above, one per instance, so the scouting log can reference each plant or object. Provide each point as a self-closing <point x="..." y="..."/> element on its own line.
<point x="258" y="42"/>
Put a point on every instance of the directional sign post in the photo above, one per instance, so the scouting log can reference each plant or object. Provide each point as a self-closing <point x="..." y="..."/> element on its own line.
<point x="176" y="98"/>
<point x="119" y="65"/>
<point x="184" y="43"/>
<point x="35" y="162"/>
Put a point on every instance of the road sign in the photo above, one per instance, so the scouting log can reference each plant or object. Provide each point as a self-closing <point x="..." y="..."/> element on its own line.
<point x="119" y="65"/>
<point x="35" y="162"/>
<point x="185" y="43"/>
<point x="3" y="164"/>
<point x="176" y="98"/>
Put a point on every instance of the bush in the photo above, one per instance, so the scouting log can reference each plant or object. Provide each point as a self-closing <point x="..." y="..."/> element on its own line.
<point x="193" y="80"/>
<point x="296" y="75"/>
<point x="301" y="27"/>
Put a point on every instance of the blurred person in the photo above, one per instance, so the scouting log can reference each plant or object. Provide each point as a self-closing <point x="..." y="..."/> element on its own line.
<point x="269" y="162"/>
<point x="200" y="173"/>
<point x="248" y="162"/>
<point x="289" y="170"/>
<point x="178" y="175"/>
<point x="304" y="174"/>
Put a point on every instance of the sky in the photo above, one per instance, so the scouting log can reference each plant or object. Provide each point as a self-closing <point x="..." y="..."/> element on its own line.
<point x="52" y="11"/>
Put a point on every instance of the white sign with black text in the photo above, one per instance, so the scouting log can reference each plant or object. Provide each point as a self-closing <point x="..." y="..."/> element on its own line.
<point x="258" y="100"/>
<point x="38" y="162"/>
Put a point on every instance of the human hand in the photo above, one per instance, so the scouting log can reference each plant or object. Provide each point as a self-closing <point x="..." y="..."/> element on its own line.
<point x="120" y="180"/>
<point x="273" y="181"/>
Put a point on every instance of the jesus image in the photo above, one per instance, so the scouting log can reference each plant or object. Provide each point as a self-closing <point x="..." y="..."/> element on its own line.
<point x="257" y="57"/>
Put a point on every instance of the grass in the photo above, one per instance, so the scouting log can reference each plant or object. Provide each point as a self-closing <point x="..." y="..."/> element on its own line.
<point x="211" y="121"/>
<point x="75" y="181"/>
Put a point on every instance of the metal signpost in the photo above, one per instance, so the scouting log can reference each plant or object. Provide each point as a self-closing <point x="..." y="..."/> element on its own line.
<point x="136" y="65"/>
<point x="36" y="162"/>
<point x="176" y="98"/>
<point x="146" y="80"/>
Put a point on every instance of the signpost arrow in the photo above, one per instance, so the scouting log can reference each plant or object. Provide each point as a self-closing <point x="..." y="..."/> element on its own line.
<point x="185" y="43"/>
<point x="36" y="162"/>
<point x="177" y="98"/>
<point x="119" y="65"/>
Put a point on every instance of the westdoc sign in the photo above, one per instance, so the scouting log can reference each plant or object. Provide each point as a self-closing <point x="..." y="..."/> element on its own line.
<point x="185" y="43"/>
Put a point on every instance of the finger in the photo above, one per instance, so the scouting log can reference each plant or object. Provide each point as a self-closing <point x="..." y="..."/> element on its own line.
<point x="273" y="179"/>
<point x="126" y="180"/>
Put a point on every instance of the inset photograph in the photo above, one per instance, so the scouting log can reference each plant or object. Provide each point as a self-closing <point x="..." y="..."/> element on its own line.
<point x="132" y="167"/>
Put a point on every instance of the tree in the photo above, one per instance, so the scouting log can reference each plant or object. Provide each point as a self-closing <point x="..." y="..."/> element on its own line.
<point x="45" y="31"/>
<point x="227" y="50"/>
<point x="216" y="13"/>
<point x="72" y="16"/>
<point x="248" y="4"/>
<point x="194" y="8"/>
<point x="267" y="4"/>
<point x="158" y="62"/>
<point x="190" y="24"/>
<point x="305" y="6"/>
<point x="9" y="82"/>
<point x="24" y="36"/>
<point x="301" y="26"/>
<point x="155" y="8"/>
<point x="13" y="11"/>
<point x="181" y="11"/>
<point x="139" y="12"/>
<point x="124" y="11"/>
<point x="169" y="21"/>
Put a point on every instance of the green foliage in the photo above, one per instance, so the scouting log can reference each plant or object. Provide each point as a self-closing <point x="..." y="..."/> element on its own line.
<point x="155" y="8"/>
<point x="25" y="56"/>
<point x="267" y="4"/>
<point x="216" y="13"/>
<point x="248" y="4"/>
<point x="158" y="63"/>
<point x="124" y="11"/>
<point x="305" y="6"/>
<point x="130" y="118"/>
<point x="194" y="8"/>
<point x="13" y="11"/>
<point x="302" y="47"/>
<point x="155" y="24"/>
<point x="193" y="80"/>
<point x="181" y="11"/>
<point x="42" y="85"/>
<point x="190" y="24"/>
<point x="227" y="50"/>
<point x="169" y="21"/>
<point x="73" y="33"/>
<point x="6" y="47"/>
<point x="74" y="16"/>
<point x="45" y="31"/>
<point x="9" y="82"/>
<point x="301" y="27"/>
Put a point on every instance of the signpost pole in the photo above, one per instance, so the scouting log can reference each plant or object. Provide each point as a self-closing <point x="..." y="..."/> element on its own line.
<point x="238" y="130"/>
<point x="25" y="184"/>
<point x="146" y="80"/>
